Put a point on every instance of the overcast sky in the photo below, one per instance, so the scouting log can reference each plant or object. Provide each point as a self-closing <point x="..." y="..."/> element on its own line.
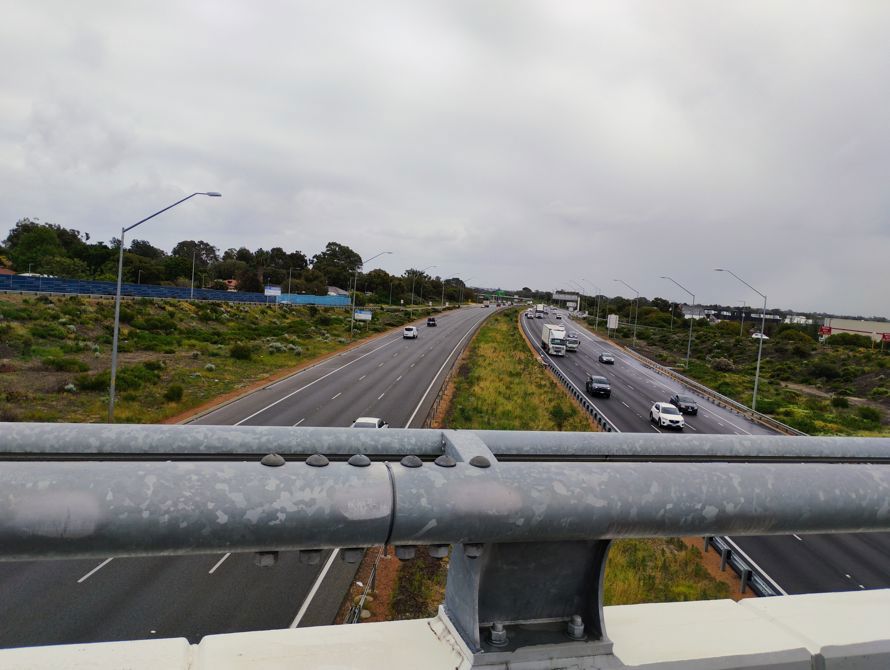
<point x="511" y="143"/>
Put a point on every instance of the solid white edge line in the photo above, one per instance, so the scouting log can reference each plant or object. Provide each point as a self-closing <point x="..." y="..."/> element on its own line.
<point x="772" y="581"/>
<point x="447" y="358"/>
<point x="314" y="589"/>
<point x="337" y="396"/>
<point x="219" y="563"/>
<point x="95" y="570"/>
<point x="293" y="393"/>
<point x="299" y="422"/>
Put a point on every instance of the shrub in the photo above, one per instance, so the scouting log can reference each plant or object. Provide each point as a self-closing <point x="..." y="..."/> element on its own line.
<point x="241" y="352"/>
<point x="65" y="364"/>
<point x="840" y="401"/>
<point x="824" y="370"/>
<point x="154" y="365"/>
<point x="848" y="340"/>
<point x="723" y="365"/>
<point x="173" y="393"/>
<point x="69" y="388"/>
<point x="210" y="367"/>
<point x="47" y="331"/>
<point x="869" y="414"/>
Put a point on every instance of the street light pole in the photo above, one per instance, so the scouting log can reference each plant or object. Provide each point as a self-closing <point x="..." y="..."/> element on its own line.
<point x="192" y="292"/>
<point x="762" y="333"/>
<point x="414" y="279"/>
<point x="117" y="295"/>
<point x="596" y="319"/>
<point x="139" y="277"/>
<point x="691" y="319"/>
<point x="636" y="311"/>
<point x="355" y="288"/>
<point x="742" y="324"/>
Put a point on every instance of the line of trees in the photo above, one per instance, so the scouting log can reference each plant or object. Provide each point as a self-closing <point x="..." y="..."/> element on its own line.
<point x="50" y="249"/>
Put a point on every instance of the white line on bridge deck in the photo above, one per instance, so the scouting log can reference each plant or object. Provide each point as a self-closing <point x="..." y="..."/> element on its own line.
<point x="95" y="570"/>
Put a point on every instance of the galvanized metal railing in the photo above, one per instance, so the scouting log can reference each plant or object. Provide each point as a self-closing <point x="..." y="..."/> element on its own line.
<point x="529" y="516"/>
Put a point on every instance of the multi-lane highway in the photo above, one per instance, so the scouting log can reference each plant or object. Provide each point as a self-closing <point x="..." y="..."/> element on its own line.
<point x="59" y="602"/>
<point x="797" y="563"/>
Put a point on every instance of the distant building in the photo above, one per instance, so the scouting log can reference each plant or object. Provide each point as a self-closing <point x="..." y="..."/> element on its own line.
<point x="4" y="271"/>
<point x="876" y="330"/>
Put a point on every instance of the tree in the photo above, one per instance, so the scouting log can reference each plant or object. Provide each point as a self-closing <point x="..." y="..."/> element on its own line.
<point x="146" y="250"/>
<point x="249" y="282"/>
<point x="62" y="266"/>
<point x="337" y="263"/>
<point x="205" y="253"/>
<point x="33" y="246"/>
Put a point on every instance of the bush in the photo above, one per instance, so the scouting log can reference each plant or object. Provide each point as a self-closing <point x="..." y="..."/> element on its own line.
<point x="63" y="364"/>
<point x="210" y="367"/>
<point x="824" y="370"/>
<point x="869" y="414"/>
<point x="848" y="340"/>
<point x="723" y="365"/>
<point x="173" y="393"/>
<point x="840" y="401"/>
<point x="241" y="352"/>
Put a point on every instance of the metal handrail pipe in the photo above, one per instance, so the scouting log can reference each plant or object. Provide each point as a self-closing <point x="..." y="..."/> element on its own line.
<point x="36" y="441"/>
<point x="88" y="509"/>
<point x="57" y="440"/>
<point x="507" y="445"/>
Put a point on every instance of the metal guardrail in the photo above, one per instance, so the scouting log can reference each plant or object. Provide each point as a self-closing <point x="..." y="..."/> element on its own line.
<point x="750" y="575"/>
<point x="525" y="512"/>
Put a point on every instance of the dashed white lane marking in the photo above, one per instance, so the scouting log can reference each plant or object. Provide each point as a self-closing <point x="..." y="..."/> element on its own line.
<point x="362" y="377"/>
<point x="299" y="422"/>
<point x="413" y="364"/>
<point x="797" y="537"/>
<point x="380" y="365"/>
<point x="95" y="570"/>
<point x="314" y="589"/>
<point x="625" y="404"/>
<point x="381" y="395"/>
<point x="689" y="425"/>
<point x="398" y="378"/>
<point x="219" y="563"/>
<point x="305" y="386"/>
<point x="337" y="396"/>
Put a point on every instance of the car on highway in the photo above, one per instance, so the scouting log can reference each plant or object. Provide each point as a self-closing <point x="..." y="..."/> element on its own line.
<point x="606" y="357"/>
<point x="665" y="415"/>
<point x="369" y="422"/>
<point x="599" y="386"/>
<point x="759" y="336"/>
<point x="685" y="403"/>
<point x="431" y="322"/>
<point x="559" y="316"/>
<point x="410" y="333"/>
<point x="529" y="314"/>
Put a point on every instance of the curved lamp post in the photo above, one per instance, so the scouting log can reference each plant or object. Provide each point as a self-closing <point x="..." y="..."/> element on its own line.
<point x="596" y="319"/>
<point x="117" y="295"/>
<point x="689" y="341"/>
<point x="355" y="288"/>
<point x="762" y="326"/>
<point x="414" y="279"/>
<point x="636" y="311"/>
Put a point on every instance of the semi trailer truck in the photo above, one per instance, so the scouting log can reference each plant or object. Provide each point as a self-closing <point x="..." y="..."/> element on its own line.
<point x="553" y="339"/>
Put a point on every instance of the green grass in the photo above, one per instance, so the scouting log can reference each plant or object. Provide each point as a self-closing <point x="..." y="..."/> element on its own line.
<point x="502" y="386"/>
<point x="51" y="344"/>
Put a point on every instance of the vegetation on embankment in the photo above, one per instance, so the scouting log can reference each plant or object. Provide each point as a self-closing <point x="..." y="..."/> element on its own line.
<point x="55" y="353"/>
<point x="838" y="387"/>
<point x="501" y="385"/>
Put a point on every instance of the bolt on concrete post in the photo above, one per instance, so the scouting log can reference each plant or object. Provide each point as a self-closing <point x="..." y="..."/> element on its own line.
<point x="575" y="628"/>
<point x="497" y="636"/>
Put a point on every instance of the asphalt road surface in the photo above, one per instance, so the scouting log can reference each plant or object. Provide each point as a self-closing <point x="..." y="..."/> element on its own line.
<point x="796" y="563"/>
<point x="78" y="601"/>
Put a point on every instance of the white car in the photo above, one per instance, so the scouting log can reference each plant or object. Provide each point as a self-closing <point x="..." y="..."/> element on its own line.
<point x="369" y="422"/>
<point x="759" y="336"/>
<point x="665" y="415"/>
<point x="410" y="333"/>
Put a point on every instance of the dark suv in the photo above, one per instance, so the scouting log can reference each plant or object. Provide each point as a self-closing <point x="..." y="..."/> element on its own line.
<point x="431" y="321"/>
<point x="685" y="403"/>
<point x="597" y="385"/>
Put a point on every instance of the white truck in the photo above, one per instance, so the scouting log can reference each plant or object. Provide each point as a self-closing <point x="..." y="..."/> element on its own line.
<point x="553" y="339"/>
<point x="572" y="342"/>
<point x="539" y="311"/>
